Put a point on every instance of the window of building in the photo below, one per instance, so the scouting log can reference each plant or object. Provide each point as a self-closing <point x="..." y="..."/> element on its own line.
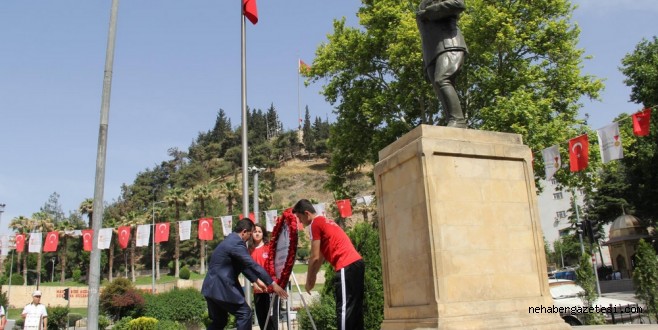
<point x="557" y="195"/>
<point x="553" y="181"/>
<point x="561" y="214"/>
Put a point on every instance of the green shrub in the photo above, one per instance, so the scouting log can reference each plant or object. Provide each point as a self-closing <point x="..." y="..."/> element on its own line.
<point x="19" y="323"/>
<point x="17" y="279"/>
<point x="122" y="324"/>
<point x="645" y="277"/>
<point x="4" y="301"/>
<point x="77" y="274"/>
<point x="143" y="323"/>
<point x="168" y="306"/>
<point x="57" y="317"/>
<point x="184" y="273"/>
<point x="74" y="317"/>
<point x="323" y="311"/>
<point x="170" y="325"/>
<point x="120" y="299"/>
<point x="103" y="321"/>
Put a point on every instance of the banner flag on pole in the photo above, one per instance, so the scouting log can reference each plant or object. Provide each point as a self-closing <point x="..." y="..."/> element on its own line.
<point x="552" y="160"/>
<point x="610" y="143"/>
<point x="161" y="232"/>
<point x="205" y="229"/>
<point x="303" y="67"/>
<point x="185" y="228"/>
<point x="20" y="242"/>
<point x="143" y="235"/>
<point x="4" y="245"/>
<point x="578" y="153"/>
<point x="227" y="224"/>
<point x="270" y="219"/>
<point x="124" y="236"/>
<point x="34" y="246"/>
<point x="250" y="10"/>
<point x="642" y="122"/>
<point x="52" y="239"/>
<point x="87" y="236"/>
<point x="104" y="238"/>
<point x="320" y="209"/>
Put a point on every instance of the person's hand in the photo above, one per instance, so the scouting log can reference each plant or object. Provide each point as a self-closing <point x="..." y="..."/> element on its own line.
<point x="310" y="283"/>
<point x="261" y="285"/>
<point x="281" y="292"/>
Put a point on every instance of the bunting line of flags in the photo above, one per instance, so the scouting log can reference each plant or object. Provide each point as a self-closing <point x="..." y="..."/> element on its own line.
<point x="161" y="234"/>
<point x="609" y="144"/>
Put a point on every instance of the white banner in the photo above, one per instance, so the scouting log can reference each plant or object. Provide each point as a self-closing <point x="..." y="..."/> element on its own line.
<point x="270" y="219"/>
<point x="143" y="235"/>
<point x="552" y="160"/>
<point x="610" y="143"/>
<point x="319" y="209"/>
<point x="227" y="224"/>
<point x="36" y="240"/>
<point x="185" y="228"/>
<point x="104" y="238"/>
<point x="282" y="248"/>
<point x="4" y="245"/>
<point x="365" y="200"/>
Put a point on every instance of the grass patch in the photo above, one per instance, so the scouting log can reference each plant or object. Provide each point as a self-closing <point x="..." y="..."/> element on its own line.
<point x="15" y="313"/>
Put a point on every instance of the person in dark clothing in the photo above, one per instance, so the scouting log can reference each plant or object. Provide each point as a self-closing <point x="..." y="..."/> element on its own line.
<point x="221" y="287"/>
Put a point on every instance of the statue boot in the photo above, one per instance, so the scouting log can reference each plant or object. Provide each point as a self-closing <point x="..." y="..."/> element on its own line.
<point x="450" y="102"/>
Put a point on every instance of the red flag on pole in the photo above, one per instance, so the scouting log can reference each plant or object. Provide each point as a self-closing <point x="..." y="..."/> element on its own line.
<point x="161" y="232"/>
<point x="87" y="236"/>
<point x="250" y="11"/>
<point x="252" y="217"/>
<point x="344" y="208"/>
<point x="124" y="236"/>
<point x="641" y="122"/>
<point x="578" y="153"/>
<point x="52" y="239"/>
<point x="303" y="67"/>
<point x="20" y="242"/>
<point x="205" y="229"/>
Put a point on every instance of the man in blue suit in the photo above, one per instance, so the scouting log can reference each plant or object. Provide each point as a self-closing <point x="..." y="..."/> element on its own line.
<point x="221" y="287"/>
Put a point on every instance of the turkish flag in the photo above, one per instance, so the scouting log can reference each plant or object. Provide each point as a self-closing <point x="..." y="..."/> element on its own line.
<point x="124" y="236"/>
<point x="252" y="217"/>
<point x="578" y="153"/>
<point x="205" y="229"/>
<point x="250" y="10"/>
<point x="20" y="242"/>
<point x="87" y="237"/>
<point x="161" y="232"/>
<point x="344" y="208"/>
<point x="52" y="239"/>
<point x="641" y="122"/>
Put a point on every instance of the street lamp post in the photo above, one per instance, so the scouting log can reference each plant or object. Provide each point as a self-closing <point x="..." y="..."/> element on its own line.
<point x="52" y="270"/>
<point x="153" y="248"/>
<point x="256" y="171"/>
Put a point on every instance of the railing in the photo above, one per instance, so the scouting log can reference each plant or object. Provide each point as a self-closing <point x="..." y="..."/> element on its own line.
<point x="628" y="314"/>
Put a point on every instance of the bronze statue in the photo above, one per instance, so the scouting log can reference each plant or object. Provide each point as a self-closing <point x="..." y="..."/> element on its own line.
<point x="444" y="50"/>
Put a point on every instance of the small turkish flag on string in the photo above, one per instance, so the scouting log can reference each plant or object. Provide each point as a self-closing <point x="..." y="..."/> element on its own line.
<point x="87" y="236"/>
<point x="161" y="232"/>
<point x="642" y="122"/>
<point x="344" y="208"/>
<point x="20" y="242"/>
<point x="252" y="217"/>
<point x="52" y="239"/>
<point x="303" y="67"/>
<point x="250" y="11"/>
<point x="578" y="153"/>
<point x="205" y="229"/>
<point x="124" y="236"/>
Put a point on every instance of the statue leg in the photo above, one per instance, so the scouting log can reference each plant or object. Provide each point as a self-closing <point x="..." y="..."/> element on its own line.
<point x="447" y="67"/>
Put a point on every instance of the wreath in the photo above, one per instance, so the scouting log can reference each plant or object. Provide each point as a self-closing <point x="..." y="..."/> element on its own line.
<point x="290" y="220"/>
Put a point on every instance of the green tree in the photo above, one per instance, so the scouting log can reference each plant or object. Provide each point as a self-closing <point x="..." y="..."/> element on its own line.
<point x="645" y="277"/>
<point x="522" y="76"/>
<point x="21" y="225"/>
<point x="585" y="278"/>
<point x="87" y="208"/>
<point x="641" y="74"/>
<point x="202" y="194"/>
<point x="176" y="197"/>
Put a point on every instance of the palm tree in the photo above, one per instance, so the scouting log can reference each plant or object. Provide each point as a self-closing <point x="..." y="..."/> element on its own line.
<point x="133" y="219"/>
<point x="202" y="193"/>
<point x="21" y="225"/>
<point x="64" y="228"/>
<point x="177" y="198"/>
<point x="41" y="222"/>
<point x="111" y="223"/>
<point x="152" y="218"/>
<point x="87" y="207"/>
<point x="231" y="191"/>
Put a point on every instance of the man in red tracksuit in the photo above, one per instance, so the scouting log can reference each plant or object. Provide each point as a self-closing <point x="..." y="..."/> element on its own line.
<point x="329" y="242"/>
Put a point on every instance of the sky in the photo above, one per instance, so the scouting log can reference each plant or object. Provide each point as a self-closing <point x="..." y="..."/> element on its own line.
<point x="176" y="64"/>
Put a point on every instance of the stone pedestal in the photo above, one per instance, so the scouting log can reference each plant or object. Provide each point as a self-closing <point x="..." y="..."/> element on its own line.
<point x="461" y="241"/>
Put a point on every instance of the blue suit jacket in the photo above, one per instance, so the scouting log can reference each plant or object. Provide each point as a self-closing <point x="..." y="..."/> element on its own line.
<point x="229" y="259"/>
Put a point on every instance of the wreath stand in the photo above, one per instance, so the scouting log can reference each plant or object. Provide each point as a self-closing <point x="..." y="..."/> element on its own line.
<point x="280" y="266"/>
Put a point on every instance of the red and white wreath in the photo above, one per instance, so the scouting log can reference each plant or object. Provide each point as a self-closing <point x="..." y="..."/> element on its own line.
<point x="288" y="221"/>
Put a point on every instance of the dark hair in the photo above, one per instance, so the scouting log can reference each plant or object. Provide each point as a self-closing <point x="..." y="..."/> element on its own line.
<point x="244" y="224"/>
<point x="302" y="206"/>
<point x="250" y="243"/>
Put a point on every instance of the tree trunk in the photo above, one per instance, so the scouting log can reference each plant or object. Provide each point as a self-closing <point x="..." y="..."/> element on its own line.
<point x="202" y="269"/>
<point x="110" y="262"/>
<point x="39" y="269"/>
<point x="132" y="259"/>
<point x="62" y="277"/>
<point x="177" y="246"/>
<point x="156" y="267"/>
<point x="24" y="268"/>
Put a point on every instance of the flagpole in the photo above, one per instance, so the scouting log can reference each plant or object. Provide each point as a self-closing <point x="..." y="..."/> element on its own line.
<point x="97" y="216"/>
<point x="245" y="150"/>
<point x="299" y="109"/>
